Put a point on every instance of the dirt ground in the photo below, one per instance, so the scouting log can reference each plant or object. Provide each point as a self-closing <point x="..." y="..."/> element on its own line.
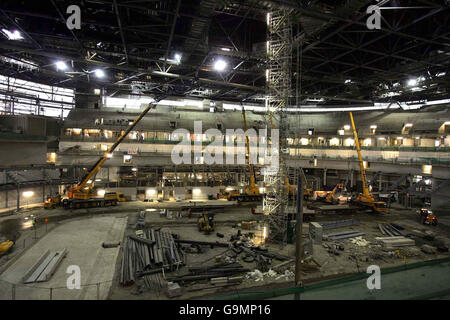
<point x="327" y="265"/>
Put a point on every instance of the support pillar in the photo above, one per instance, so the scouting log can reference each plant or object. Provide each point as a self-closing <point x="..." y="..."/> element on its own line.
<point x="18" y="197"/>
<point x="325" y="177"/>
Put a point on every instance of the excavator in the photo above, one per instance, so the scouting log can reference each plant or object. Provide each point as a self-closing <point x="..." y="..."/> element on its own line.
<point x="333" y="196"/>
<point x="251" y="191"/>
<point x="366" y="199"/>
<point x="81" y="195"/>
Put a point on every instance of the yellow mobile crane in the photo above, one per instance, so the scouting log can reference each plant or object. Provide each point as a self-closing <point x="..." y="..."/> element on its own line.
<point x="81" y="196"/>
<point x="251" y="192"/>
<point x="366" y="199"/>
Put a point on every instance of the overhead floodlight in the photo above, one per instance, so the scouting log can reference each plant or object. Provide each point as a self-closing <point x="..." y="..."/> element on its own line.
<point x="61" y="65"/>
<point x="99" y="73"/>
<point x="225" y="49"/>
<point x="12" y="35"/>
<point x="347" y="127"/>
<point x="412" y="82"/>
<point x="220" y="65"/>
<point x="348" y="81"/>
<point x="177" y="57"/>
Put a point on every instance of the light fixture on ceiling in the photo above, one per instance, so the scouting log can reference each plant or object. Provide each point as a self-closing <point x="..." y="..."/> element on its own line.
<point x="177" y="57"/>
<point x="220" y="65"/>
<point x="12" y="35"/>
<point x="61" y="65"/>
<point x="412" y="82"/>
<point x="99" y="73"/>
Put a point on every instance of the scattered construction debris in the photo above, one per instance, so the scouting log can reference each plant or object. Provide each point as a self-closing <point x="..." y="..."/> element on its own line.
<point x="428" y="249"/>
<point x="359" y="241"/>
<point x="44" y="267"/>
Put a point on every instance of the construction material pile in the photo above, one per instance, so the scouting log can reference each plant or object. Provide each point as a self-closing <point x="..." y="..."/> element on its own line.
<point x="148" y="254"/>
<point x="326" y="225"/>
<point x="45" y="266"/>
<point x="391" y="243"/>
<point x="339" y="236"/>
<point x="391" y="230"/>
<point x="216" y="271"/>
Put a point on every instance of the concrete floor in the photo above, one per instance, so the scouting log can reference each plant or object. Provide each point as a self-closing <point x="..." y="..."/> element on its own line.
<point x="83" y="239"/>
<point x="353" y="259"/>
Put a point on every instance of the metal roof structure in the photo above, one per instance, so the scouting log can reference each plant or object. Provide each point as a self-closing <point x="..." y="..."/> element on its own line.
<point x="145" y="47"/>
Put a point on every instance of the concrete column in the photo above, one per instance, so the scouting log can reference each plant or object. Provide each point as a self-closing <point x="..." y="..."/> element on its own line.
<point x="6" y="199"/>
<point x="325" y="176"/>
<point x="379" y="182"/>
<point x="18" y="197"/>
<point x="352" y="174"/>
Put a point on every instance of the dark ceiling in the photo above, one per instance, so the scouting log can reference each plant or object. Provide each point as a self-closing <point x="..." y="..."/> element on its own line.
<point x="134" y="41"/>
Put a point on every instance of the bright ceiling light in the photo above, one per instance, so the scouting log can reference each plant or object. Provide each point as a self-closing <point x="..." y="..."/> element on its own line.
<point x="225" y="49"/>
<point x="61" y="65"/>
<point x="412" y="82"/>
<point x="12" y="35"/>
<point x="220" y="65"/>
<point x="99" y="73"/>
<point x="347" y="127"/>
<point x="348" y="81"/>
<point x="177" y="57"/>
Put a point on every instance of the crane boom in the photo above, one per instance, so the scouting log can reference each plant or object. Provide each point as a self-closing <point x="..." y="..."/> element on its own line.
<point x="96" y="167"/>
<point x="247" y="144"/>
<point x="366" y="199"/>
<point x="360" y="160"/>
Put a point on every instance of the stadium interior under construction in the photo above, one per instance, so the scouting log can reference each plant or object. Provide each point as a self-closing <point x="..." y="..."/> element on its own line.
<point x="201" y="149"/>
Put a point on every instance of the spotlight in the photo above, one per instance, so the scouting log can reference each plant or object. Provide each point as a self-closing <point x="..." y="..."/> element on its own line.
<point x="412" y="82"/>
<point x="177" y="57"/>
<point x="99" y="73"/>
<point x="12" y="35"/>
<point x="220" y="65"/>
<point x="61" y="65"/>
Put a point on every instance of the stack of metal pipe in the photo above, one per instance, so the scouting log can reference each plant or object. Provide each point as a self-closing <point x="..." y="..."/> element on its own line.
<point x="147" y="255"/>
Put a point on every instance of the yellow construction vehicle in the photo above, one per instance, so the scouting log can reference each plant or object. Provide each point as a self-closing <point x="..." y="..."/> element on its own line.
<point x="206" y="223"/>
<point x="81" y="196"/>
<point x="251" y="191"/>
<point x="5" y="246"/>
<point x="331" y="197"/>
<point x="52" y="201"/>
<point x="366" y="199"/>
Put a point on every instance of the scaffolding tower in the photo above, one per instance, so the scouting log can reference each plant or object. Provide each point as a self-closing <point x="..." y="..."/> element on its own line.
<point x="278" y="77"/>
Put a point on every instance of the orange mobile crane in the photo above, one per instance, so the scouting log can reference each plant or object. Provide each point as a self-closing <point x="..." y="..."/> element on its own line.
<point x="251" y="192"/>
<point x="81" y="196"/>
<point x="366" y="199"/>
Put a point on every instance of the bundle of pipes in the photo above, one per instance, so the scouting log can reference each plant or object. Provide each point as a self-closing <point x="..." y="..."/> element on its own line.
<point x="390" y="230"/>
<point x="148" y="255"/>
<point x="215" y="271"/>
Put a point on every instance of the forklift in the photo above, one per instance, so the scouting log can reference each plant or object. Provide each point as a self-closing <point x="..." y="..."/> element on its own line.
<point x="206" y="223"/>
